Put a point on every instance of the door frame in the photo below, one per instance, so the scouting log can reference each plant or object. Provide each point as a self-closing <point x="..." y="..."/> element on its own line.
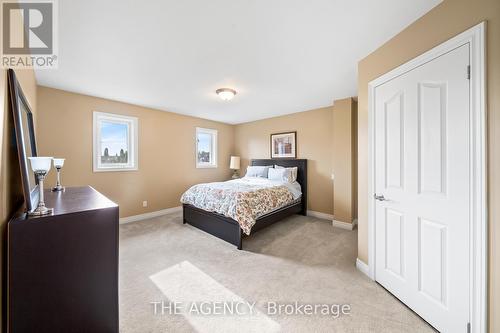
<point x="478" y="227"/>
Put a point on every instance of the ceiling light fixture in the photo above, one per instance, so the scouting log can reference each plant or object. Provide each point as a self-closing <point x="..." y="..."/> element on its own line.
<point x="226" y="94"/>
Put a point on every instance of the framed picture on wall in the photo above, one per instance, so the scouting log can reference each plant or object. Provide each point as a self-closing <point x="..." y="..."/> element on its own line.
<point x="283" y="145"/>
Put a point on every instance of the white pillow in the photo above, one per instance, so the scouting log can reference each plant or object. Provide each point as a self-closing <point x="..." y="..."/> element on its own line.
<point x="293" y="172"/>
<point x="258" y="171"/>
<point x="279" y="174"/>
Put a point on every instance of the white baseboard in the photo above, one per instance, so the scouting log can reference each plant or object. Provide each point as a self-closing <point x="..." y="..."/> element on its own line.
<point x="319" y="215"/>
<point x="343" y="225"/>
<point x="362" y="267"/>
<point x="355" y="221"/>
<point x="150" y="215"/>
<point x="330" y="217"/>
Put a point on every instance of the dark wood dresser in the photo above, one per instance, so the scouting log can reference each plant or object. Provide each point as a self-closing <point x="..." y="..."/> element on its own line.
<point x="62" y="272"/>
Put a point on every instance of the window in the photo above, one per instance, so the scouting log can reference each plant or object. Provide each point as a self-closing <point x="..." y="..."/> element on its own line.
<point x="115" y="142"/>
<point x="206" y="148"/>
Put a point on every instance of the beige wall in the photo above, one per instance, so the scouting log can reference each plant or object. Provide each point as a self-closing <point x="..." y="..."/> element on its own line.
<point x="343" y="160"/>
<point x="441" y="23"/>
<point x="355" y="158"/>
<point x="315" y="137"/>
<point x="11" y="195"/>
<point x="314" y="128"/>
<point x="167" y="157"/>
<point x="167" y="164"/>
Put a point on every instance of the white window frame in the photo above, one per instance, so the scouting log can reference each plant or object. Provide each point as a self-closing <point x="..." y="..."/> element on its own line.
<point x="132" y="123"/>
<point x="213" y="155"/>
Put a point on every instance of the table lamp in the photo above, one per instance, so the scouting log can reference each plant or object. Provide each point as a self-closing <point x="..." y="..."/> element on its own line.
<point x="58" y="164"/>
<point x="41" y="167"/>
<point x="235" y="165"/>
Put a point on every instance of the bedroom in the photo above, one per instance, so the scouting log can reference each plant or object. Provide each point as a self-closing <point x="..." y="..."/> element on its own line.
<point x="299" y="82"/>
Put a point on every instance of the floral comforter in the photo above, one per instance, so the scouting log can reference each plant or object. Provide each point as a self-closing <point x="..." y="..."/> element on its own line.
<point x="244" y="200"/>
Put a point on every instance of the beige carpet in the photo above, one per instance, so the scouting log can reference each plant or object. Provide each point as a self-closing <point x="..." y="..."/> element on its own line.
<point x="301" y="259"/>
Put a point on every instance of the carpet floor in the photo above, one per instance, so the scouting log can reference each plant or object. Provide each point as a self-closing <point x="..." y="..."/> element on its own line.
<point x="176" y="278"/>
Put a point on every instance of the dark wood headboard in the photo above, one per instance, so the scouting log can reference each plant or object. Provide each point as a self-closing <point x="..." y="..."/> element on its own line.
<point x="301" y="165"/>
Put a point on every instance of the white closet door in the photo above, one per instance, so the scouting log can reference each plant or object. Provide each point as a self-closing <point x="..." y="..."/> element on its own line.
<point x="422" y="172"/>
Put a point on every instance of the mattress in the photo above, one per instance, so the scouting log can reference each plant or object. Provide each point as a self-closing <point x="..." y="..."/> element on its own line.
<point x="244" y="200"/>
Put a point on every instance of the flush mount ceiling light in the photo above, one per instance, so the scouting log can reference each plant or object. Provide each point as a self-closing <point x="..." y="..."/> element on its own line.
<point x="226" y="94"/>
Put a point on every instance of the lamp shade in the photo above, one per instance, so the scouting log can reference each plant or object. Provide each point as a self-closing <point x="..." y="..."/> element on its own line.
<point x="235" y="163"/>
<point x="40" y="163"/>
<point x="58" y="162"/>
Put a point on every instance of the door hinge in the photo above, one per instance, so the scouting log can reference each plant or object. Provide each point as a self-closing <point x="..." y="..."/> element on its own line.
<point x="468" y="327"/>
<point x="468" y="72"/>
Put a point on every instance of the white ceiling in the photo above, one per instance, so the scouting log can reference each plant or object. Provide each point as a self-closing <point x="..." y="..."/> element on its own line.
<point x="282" y="56"/>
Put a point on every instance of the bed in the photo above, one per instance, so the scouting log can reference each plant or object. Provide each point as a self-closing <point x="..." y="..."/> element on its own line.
<point x="229" y="229"/>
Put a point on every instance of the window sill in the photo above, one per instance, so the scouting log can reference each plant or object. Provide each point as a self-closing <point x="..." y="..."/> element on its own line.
<point x="202" y="166"/>
<point x="115" y="169"/>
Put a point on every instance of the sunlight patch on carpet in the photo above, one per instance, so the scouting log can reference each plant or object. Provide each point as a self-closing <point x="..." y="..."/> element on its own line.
<point x="196" y="291"/>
